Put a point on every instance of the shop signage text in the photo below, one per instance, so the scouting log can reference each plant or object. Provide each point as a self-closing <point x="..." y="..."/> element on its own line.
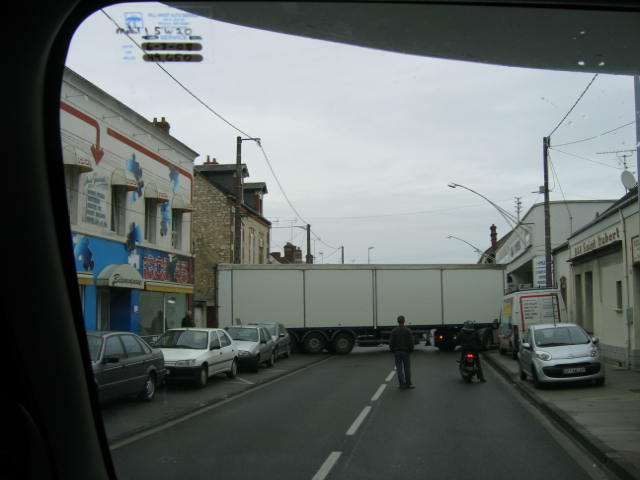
<point x="597" y="241"/>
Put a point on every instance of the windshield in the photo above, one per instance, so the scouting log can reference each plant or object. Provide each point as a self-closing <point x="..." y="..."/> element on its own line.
<point x="243" y="334"/>
<point x="183" y="339"/>
<point x="557" y="336"/>
<point x="95" y="344"/>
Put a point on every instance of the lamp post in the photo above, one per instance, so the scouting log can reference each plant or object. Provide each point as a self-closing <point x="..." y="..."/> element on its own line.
<point x="477" y="250"/>
<point x="369" y="254"/>
<point x="239" y="192"/>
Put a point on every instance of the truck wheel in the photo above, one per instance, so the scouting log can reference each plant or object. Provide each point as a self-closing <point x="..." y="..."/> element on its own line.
<point x="343" y="343"/>
<point x="314" y="343"/>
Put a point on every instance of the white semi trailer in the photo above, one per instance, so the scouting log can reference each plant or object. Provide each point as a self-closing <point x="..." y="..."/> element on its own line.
<point x="335" y="307"/>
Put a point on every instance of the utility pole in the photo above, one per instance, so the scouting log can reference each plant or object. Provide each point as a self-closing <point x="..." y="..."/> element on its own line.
<point x="309" y="256"/>
<point x="342" y="248"/>
<point x="237" y="237"/>
<point x="547" y="219"/>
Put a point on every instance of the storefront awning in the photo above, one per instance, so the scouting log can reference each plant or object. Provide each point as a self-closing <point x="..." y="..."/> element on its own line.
<point x="75" y="157"/>
<point x="85" y="278"/>
<point x="151" y="191"/>
<point x="179" y="203"/>
<point x="168" y="287"/>
<point x="121" y="178"/>
<point x="122" y="276"/>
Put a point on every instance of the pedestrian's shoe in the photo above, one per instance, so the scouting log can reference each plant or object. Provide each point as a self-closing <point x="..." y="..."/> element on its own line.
<point x="402" y="386"/>
<point x="410" y="386"/>
<point x="483" y="380"/>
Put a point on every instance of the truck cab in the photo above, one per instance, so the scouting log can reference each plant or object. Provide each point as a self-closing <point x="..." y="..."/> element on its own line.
<point x="523" y="308"/>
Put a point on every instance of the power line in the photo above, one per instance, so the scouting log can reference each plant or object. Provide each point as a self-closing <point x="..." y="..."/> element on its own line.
<point x="595" y="136"/>
<point x="574" y="105"/>
<point x="585" y="158"/>
<point x="205" y="105"/>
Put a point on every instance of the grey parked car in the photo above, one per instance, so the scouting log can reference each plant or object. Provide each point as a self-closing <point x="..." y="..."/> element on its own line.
<point x="255" y="346"/>
<point x="280" y="336"/>
<point x="124" y="364"/>
<point x="561" y="352"/>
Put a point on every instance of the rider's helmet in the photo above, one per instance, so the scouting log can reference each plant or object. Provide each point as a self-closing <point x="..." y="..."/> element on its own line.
<point x="469" y="324"/>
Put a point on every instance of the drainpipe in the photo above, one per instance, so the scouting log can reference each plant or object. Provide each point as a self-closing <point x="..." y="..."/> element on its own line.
<point x="626" y="282"/>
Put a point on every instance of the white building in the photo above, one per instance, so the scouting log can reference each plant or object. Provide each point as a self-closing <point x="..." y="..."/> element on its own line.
<point x="524" y="250"/>
<point x="129" y="187"/>
<point x="604" y="283"/>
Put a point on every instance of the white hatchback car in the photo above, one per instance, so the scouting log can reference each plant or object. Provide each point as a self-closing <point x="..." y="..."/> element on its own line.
<point x="560" y="352"/>
<point x="198" y="353"/>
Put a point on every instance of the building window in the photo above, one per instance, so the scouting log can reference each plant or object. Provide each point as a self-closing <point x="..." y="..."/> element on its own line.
<point x="150" y="219"/>
<point x="176" y="229"/>
<point x="72" y="182"/>
<point x="118" y="209"/>
<point x="619" y="296"/>
<point x="261" y="258"/>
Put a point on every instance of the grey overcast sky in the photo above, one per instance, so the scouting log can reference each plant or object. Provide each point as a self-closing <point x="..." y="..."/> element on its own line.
<point x="364" y="142"/>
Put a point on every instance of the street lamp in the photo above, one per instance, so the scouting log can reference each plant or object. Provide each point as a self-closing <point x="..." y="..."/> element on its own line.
<point x="368" y="254"/>
<point x="477" y="250"/>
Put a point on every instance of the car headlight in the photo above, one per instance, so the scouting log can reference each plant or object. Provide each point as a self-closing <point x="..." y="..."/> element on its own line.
<point x="185" y="363"/>
<point x="544" y="356"/>
<point x="243" y="353"/>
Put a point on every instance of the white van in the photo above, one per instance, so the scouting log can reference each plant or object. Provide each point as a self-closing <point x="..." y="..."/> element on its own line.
<point x="524" y="308"/>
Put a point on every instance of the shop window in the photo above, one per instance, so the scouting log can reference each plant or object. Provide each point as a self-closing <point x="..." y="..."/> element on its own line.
<point x="176" y="229"/>
<point x="118" y="209"/>
<point x="72" y="182"/>
<point x="150" y="219"/>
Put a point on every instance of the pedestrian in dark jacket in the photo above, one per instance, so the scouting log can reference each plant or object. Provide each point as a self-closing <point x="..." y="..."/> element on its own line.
<point x="187" y="321"/>
<point x="401" y="344"/>
<point x="470" y="341"/>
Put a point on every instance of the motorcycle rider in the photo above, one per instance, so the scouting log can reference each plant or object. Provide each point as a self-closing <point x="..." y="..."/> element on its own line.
<point x="470" y="342"/>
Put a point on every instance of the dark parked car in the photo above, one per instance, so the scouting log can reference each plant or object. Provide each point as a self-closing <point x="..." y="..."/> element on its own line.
<point x="280" y="336"/>
<point x="124" y="364"/>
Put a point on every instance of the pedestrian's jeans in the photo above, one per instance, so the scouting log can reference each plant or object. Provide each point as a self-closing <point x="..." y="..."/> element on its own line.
<point x="403" y="367"/>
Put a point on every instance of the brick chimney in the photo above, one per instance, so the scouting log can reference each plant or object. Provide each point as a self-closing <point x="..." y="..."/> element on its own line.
<point x="289" y="252"/>
<point x="494" y="236"/>
<point x="162" y="124"/>
<point x="211" y="161"/>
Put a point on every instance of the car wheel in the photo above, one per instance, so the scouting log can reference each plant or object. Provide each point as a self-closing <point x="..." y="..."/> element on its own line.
<point x="203" y="377"/>
<point x="287" y="351"/>
<point x="534" y="378"/>
<point x="256" y="366"/>
<point x="599" y="382"/>
<point x="501" y="351"/>
<point x="523" y="375"/>
<point x="233" y="371"/>
<point x="149" y="390"/>
<point x="272" y="359"/>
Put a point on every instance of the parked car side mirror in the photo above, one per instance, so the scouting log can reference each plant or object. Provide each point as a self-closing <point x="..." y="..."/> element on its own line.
<point x="595" y="340"/>
<point x="281" y="335"/>
<point x="526" y="346"/>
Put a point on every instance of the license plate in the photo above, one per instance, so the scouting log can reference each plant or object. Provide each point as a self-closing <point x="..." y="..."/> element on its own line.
<point x="568" y="371"/>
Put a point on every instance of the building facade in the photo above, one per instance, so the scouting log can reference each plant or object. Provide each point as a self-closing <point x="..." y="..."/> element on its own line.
<point x="604" y="281"/>
<point x="129" y="187"/>
<point x="524" y="250"/>
<point x="214" y="230"/>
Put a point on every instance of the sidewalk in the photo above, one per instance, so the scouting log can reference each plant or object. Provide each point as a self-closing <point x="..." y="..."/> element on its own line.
<point x="605" y="420"/>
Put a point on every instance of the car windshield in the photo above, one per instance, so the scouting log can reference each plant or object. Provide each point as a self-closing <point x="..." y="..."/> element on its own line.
<point x="243" y="334"/>
<point x="183" y="339"/>
<point x="95" y="344"/>
<point x="558" y="336"/>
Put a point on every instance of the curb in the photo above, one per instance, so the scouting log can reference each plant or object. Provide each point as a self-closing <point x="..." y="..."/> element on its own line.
<point x="603" y="453"/>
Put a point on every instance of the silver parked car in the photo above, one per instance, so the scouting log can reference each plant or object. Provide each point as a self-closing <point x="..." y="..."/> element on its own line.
<point x="560" y="352"/>
<point x="255" y="345"/>
<point x="280" y="336"/>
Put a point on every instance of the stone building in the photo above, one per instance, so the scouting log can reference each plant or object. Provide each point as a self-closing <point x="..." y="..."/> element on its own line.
<point x="214" y="203"/>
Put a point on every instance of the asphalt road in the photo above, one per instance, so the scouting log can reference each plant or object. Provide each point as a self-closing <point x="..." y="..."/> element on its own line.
<point x="345" y="418"/>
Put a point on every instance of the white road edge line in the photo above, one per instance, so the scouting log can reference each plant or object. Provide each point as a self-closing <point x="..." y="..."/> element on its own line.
<point x="327" y="466"/>
<point x="358" y="421"/>
<point x="376" y="395"/>
<point x="390" y="376"/>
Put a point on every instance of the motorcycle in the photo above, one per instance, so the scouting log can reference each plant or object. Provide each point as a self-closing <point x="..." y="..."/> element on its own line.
<point x="468" y="366"/>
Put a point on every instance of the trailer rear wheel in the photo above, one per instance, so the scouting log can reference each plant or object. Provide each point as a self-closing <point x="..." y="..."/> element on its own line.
<point x="343" y="343"/>
<point x="314" y="343"/>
